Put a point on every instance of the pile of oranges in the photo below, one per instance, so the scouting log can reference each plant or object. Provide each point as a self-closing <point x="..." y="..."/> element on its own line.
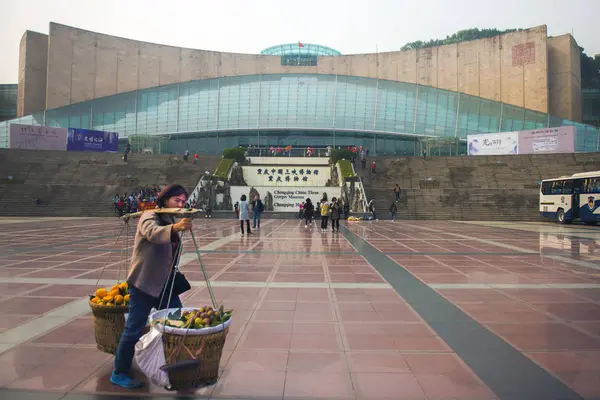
<point x="118" y="295"/>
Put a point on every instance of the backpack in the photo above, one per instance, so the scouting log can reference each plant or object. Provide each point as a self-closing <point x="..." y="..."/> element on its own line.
<point x="260" y="207"/>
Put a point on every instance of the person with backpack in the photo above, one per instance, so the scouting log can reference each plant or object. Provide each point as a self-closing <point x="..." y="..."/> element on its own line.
<point x="393" y="210"/>
<point x="309" y="209"/>
<point x="397" y="192"/>
<point x="244" y="214"/>
<point x="257" y="209"/>
<point x="324" y="214"/>
<point x="372" y="209"/>
<point x="335" y="211"/>
<point x="346" y="209"/>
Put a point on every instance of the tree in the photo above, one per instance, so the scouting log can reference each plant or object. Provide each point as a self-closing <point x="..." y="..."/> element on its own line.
<point x="590" y="71"/>
<point x="236" y="153"/>
<point x="460" y="36"/>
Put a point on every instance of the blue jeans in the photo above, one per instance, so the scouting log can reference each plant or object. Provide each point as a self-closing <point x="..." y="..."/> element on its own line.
<point x="140" y="306"/>
<point x="256" y="217"/>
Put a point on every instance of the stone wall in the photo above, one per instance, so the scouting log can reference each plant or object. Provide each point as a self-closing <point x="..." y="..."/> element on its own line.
<point x="84" y="65"/>
<point x="33" y="60"/>
<point x="564" y="77"/>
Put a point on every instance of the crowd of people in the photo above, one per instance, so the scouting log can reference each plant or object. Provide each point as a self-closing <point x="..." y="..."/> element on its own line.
<point x="138" y="200"/>
<point x="329" y="211"/>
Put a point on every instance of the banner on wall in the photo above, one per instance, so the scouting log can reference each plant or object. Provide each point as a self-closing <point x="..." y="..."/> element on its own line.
<point x="286" y="199"/>
<point x="37" y="137"/>
<point x="88" y="140"/>
<point x="493" y="144"/>
<point x="287" y="175"/>
<point x="535" y="141"/>
<point x="548" y="140"/>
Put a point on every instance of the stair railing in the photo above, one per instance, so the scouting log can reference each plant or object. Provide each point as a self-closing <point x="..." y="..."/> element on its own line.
<point x="364" y="200"/>
<point x="196" y="191"/>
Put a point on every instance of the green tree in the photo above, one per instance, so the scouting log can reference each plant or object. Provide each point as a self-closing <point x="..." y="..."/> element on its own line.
<point x="460" y="36"/>
<point x="590" y="71"/>
<point x="235" y="153"/>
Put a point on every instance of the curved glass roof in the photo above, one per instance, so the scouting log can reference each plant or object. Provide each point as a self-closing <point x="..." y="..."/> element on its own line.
<point x="347" y="105"/>
<point x="294" y="48"/>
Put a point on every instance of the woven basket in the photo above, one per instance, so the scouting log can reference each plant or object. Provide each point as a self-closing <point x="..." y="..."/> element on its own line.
<point x="208" y="370"/>
<point x="109" y="324"/>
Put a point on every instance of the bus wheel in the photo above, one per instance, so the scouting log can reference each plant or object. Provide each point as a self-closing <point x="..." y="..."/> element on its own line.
<point x="560" y="216"/>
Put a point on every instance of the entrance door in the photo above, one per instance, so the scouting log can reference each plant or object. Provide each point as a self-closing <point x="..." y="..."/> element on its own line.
<point x="576" y="186"/>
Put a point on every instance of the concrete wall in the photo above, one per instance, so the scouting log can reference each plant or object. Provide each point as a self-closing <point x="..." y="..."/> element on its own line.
<point x="84" y="65"/>
<point x="33" y="60"/>
<point x="564" y="77"/>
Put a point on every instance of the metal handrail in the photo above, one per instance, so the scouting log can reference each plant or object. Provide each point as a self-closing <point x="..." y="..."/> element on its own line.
<point x="196" y="191"/>
<point x="267" y="151"/>
<point x="365" y="200"/>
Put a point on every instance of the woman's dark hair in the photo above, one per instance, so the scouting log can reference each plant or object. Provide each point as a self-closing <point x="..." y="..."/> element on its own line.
<point x="243" y="198"/>
<point x="308" y="201"/>
<point x="168" y="192"/>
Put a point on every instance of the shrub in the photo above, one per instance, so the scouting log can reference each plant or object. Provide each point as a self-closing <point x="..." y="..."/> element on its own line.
<point x="223" y="168"/>
<point x="346" y="170"/>
<point x="235" y="153"/>
<point x="340" y="154"/>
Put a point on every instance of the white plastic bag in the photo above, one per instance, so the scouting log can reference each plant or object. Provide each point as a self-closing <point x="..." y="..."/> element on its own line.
<point x="150" y="356"/>
<point x="182" y="331"/>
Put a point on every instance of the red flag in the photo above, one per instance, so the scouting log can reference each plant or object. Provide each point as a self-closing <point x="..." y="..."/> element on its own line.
<point x="300" y="44"/>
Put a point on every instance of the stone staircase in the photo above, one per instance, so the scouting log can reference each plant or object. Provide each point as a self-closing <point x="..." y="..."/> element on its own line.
<point x="82" y="184"/>
<point x="469" y="188"/>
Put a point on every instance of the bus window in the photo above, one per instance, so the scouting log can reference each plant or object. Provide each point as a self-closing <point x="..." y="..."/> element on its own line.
<point x="592" y="185"/>
<point x="546" y="187"/>
<point x="568" y="187"/>
<point x="557" y="187"/>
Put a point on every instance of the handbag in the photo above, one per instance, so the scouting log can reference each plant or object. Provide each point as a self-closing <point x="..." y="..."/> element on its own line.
<point x="180" y="284"/>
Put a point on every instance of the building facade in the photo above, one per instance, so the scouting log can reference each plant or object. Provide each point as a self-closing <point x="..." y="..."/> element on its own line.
<point x="8" y="101"/>
<point x="591" y="106"/>
<point x="299" y="94"/>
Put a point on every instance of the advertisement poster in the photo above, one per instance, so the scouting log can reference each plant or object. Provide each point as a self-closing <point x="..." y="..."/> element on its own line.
<point x="493" y="144"/>
<point x="547" y="140"/>
<point x="88" y="140"/>
<point x="37" y="137"/>
<point x="535" y="141"/>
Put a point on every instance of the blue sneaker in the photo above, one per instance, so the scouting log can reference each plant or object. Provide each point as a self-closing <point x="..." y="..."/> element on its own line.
<point x="125" y="381"/>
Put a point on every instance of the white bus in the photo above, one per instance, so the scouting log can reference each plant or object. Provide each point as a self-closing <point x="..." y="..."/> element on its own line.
<point x="569" y="198"/>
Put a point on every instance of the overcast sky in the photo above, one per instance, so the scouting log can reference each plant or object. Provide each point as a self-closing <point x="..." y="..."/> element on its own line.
<point x="351" y="26"/>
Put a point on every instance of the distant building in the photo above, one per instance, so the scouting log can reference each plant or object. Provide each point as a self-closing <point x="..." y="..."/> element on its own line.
<point x="300" y="94"/>
<point x="8" y="101"/>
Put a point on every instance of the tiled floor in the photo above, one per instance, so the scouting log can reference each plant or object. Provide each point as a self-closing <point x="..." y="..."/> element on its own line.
<point x="315" y="315"/>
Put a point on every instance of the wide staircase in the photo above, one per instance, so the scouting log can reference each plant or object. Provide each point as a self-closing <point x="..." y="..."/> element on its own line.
<point x="83" y="184"/>
<point x="469" y="187"/>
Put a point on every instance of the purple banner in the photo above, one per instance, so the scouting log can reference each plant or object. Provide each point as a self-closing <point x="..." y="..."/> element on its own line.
<point x="547" y="140"/>
<point x="88" y="140"/>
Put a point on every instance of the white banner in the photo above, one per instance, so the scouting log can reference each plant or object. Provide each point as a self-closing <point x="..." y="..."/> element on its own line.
<point x="37" y="137"/>
<point x="493" y="144"/>
<point x="286" y="199"/>
<point x="286" y="176"/>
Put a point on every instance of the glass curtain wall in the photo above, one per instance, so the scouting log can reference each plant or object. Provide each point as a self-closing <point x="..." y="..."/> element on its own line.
<point x="300" y="108"/>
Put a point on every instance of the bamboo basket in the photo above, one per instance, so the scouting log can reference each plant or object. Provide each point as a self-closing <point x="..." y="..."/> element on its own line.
<point x="109" y="324"/>
<point x="208" y="370"/>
